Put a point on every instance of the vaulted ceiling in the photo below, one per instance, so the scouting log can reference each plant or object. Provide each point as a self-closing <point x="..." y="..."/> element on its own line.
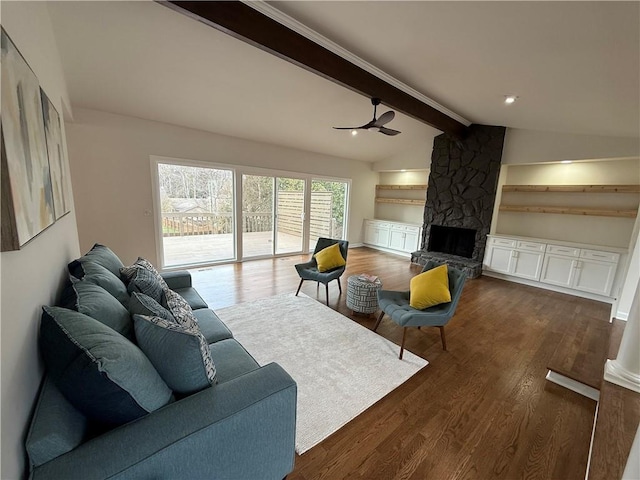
<point x="575" y="67"/>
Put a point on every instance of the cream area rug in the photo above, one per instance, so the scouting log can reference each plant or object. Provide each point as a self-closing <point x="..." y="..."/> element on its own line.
<point x="341" y="368"/>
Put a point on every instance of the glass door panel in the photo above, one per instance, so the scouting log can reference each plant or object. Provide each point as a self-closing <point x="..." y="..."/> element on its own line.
<point x="196" y="209"/>
<point x="328" y="210"/>
<point x="289" y="215"/>
<point x="257" y="215"/>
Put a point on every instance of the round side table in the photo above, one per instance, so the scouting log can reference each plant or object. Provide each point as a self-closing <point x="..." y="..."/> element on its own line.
<point x="362" y="295"/>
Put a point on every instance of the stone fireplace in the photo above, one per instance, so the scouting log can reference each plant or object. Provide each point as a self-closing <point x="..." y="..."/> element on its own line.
<point x="460" y="197"/>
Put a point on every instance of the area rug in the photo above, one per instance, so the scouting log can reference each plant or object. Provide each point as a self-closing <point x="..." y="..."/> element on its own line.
<point x="341" y="368"/>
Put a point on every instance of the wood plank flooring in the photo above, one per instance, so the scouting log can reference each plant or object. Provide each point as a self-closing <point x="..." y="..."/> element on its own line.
<point x="481" y="410"/>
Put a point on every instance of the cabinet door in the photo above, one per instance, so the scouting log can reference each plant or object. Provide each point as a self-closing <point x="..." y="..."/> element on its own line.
<point x="499" y="259"/>
<point x="370" y="233"/>
<point x="396" y="239"/>
<point x="383" y="236"/>
<point x="594" y="277"/>
<point x="527" y="264"/>
<point x="411" y="241"/>
<point x="558" y="270"/>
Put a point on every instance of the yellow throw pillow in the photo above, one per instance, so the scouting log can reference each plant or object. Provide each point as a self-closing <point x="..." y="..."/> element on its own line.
<point x="430" y="288"/>
<point x="330" y="258"/>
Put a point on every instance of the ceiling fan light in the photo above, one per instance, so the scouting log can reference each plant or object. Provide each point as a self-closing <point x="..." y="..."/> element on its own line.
<point x="354" y="133"/>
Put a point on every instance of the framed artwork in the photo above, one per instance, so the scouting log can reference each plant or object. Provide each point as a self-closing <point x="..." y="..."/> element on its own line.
<point x="57" y="158"/>
<point x="27" y="198"/>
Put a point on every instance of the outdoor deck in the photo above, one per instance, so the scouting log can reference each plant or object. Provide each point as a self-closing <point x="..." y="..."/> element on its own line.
<point x="194" y="249"/>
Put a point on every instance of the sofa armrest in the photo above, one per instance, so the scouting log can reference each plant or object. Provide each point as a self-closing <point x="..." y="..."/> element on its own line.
<point x="177" y="279"/>
<point x="243" y="428"/>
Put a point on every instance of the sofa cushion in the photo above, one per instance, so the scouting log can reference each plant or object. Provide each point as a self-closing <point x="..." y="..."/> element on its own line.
<point x="99" y="254"/>
<point x="141" y="304"/>
<point x="99" y="371"/>
<point x="179" y="353"/>
<point x="231" y="360"/>
<point x="97" y="303"/>
<point x="57" y="426"/>
<point x="192" y="297"/>
<point x="211" y="326"/>
<point x="99" y="275"/>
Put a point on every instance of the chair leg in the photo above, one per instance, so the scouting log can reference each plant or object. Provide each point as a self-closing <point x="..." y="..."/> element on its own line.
<point x="339" y="286"/>
<point x="299" y="286"/>
<point x="444" y="340"/>
<point x="404" y="334"/>
<point x="378" y="322"/>
<point x="326" y="286"/>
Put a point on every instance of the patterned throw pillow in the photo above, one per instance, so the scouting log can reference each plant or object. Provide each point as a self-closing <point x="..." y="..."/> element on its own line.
<point x="179" y="308"/>
<point x="141" y="304"/>
<point x="180" y="353"/>
<point x="142" y="277"/>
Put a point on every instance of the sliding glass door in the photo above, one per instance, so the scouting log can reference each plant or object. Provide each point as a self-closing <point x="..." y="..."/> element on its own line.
<point x="196" y="214"/>
<point x="289" y="215"/>
<point x="328" y="213"/>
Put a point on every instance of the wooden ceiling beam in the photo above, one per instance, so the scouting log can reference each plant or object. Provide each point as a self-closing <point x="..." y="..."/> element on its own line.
<point x="247" y="24"/>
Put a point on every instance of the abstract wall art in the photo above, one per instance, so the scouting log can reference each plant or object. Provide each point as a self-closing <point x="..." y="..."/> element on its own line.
<point x="27" y="197"/>
<point x="57" y="158"/>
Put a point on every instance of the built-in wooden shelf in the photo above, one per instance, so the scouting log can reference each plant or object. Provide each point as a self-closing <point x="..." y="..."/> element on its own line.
<point x="401" y="187"/>
<point x="573" y="188"/>
<point x="597" y="212"/>
<point x="400" y="201"/>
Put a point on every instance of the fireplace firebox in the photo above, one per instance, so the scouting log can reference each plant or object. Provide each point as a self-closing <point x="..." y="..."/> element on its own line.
<point x="452" y="240"/>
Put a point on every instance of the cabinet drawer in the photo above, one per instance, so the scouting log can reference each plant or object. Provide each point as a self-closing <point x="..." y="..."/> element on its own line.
<point x="399" y="228"/>
<point x="414" y="230"/>
<point x="503" y="242"/>
<point x="531" y="246"/>
<point x="562" y="250"/>
<point x="599" y="255"/>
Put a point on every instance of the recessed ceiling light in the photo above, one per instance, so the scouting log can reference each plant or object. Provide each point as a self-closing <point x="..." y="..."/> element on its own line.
<point x="509" y="99"/>
<point x="403" y="170"/>
<point x="566" y="161"/>
<point x="354" y="132"/>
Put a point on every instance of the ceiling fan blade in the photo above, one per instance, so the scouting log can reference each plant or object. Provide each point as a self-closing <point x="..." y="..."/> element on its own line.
<point x="346" y="128"/>
<point x="388" y="131"/>
<point x="385" y="118"/>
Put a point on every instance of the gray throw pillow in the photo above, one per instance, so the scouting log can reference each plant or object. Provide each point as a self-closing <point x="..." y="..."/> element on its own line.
<point x="99" y="371"/>
<point x="99" y="254"/>
<point x="94" y="301"/>
<point x="99" y="275"/>
<point x="181" y="354"/>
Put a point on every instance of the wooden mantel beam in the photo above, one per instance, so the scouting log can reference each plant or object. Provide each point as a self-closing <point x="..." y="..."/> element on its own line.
<point x="247" y="24"/>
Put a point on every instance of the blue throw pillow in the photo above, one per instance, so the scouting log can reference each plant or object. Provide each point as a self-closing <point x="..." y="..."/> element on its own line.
<point x="99" y="371"/>
<point x="97" y="303"/>
<point x="99" y="275"/>
<point x="181" y="354"/>
<point x="99" y="254"/>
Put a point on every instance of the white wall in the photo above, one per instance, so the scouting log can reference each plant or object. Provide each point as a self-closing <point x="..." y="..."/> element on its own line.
<point x="532" y="146"/>
<point x="31" y="277"/>
<point x="111" y="172"/>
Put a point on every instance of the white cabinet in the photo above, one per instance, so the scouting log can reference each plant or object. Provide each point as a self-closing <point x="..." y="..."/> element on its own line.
<point x="377" y="234"/>
<point x="392" y="235"/>
<point x="591" y="271"/>
<point x="566" y="266"/>
<point x="513" y="257"/>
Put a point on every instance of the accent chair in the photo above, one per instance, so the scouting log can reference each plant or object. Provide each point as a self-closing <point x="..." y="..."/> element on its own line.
<point x="396" y="305"/>
<point x="309" y="270"/>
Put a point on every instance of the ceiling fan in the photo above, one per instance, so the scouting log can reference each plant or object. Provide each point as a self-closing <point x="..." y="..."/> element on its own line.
<point x="376" y="125"/>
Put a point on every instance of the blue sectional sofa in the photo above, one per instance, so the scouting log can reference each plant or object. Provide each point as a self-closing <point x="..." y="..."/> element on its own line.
<point x="241" y="427"/>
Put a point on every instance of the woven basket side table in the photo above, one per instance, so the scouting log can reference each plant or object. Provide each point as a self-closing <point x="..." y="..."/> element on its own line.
<point x="362" y="295"/>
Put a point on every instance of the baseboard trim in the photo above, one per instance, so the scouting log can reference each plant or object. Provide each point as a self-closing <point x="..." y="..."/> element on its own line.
<point x="580" y="388"/>
<point x="388" y="250"/>
<point x="616" y="373"/>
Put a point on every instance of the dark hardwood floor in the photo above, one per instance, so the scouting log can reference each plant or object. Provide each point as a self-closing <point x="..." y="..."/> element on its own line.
<point x="481" y="410"/>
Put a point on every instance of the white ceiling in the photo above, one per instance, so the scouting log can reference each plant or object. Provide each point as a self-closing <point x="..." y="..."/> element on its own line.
<point x="574" y="65"/>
